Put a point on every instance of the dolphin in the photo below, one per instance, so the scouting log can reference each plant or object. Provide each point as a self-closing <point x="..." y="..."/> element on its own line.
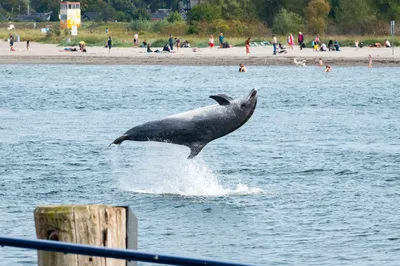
<point x="196" y="128"/>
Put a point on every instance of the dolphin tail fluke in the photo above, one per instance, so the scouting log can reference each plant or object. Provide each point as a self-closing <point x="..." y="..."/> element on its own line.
<point x="119" y="140"/>
<point x="195" y="148"/>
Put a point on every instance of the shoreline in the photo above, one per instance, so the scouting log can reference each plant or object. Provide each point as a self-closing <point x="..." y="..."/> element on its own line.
<point x="187" y="61"/>
<point x="260" y="56"/>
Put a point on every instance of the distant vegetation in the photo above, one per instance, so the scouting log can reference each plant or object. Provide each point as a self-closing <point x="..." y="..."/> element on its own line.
<point x="235" y="17"/>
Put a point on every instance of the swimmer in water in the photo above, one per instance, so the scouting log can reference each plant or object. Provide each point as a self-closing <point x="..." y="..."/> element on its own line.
<point x="320" y="62"/>
<point x="242" y="68"/>
<point x="369" y="61"/>
<point x="328" y="68"/>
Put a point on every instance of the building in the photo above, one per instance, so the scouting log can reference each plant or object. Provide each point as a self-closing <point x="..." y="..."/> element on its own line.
<point x="90" y="16"/>
<point x="189" y="4"/>
<point x="159" y="14"/>
<point x="70" y="14"/>
<point x="34" y="17"/>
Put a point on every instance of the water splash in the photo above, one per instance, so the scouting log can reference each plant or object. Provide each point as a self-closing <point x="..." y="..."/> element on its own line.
<point x="178" y="176"/>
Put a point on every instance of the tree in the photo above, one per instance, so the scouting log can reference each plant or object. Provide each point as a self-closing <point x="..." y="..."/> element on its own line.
<point x="140" y="14"/>
<point x="236" y="9"/>
<point x="296" y="6"/>
<point x="287" y="22"/>
<point x="46" y="6"/>
<point x="206" y="12"/>
<point x="388" y="9"/>
<point x="174" y="17"/>
<point x="317" y="12"/>
<point x="355" y="16"/>
<point x="268" y="9"/>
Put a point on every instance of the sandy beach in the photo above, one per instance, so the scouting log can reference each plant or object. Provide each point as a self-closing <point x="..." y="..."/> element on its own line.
<point x="53" y="54"/>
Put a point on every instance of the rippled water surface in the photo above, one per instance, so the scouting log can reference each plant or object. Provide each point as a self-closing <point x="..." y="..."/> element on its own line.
<point x="312" y="178"/>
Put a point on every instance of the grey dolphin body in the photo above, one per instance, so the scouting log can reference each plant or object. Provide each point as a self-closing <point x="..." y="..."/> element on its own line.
<point x="198" y="127"/>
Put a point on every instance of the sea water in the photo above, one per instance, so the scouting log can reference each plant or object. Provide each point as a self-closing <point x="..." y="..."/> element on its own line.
<point x="312" y="178"/>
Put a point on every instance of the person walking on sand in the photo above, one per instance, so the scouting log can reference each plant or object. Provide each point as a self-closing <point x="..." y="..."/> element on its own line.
<point x="274" y="43"/>
<point x="178" y="44"/>
<point x="369" y="61"/>
<point x="290" y="41"/>
<point x="109" y="44"/>
<point x="221" y="39"/>
<point x="11" y="42"/>
<point x="27" y="46"/>
<point x="320" y="62"/>
<point x="300" y="39"/>
<point x="248" y="46"/>
<point x="211" y="41"/>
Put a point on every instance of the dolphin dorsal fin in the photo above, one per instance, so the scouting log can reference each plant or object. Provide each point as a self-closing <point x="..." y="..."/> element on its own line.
<point x="195" y="148"/>
<point x="222" y="99"/>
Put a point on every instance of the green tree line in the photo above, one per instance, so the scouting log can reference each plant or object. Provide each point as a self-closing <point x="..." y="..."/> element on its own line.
<point x="281" y="16"/>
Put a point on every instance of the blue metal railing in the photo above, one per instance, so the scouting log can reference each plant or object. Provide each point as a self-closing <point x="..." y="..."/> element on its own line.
<point x="123" y="254"/>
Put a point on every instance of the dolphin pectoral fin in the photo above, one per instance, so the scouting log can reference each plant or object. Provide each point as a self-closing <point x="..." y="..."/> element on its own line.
<point x="195" y="148"/>
<point x="222" y="99"/>
<point x="119" y="140"/>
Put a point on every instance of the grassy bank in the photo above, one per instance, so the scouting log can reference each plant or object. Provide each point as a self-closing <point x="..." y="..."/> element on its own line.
<point x="94" y="34"/>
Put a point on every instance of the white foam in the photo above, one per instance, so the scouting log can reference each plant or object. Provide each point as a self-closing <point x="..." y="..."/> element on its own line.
<point x="174" y="174"/>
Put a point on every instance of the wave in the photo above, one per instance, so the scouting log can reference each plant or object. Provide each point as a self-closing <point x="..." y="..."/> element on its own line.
<point x="179" y="176"/>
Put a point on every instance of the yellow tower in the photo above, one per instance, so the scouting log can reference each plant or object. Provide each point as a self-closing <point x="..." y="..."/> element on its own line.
<point x="70" y="14"/>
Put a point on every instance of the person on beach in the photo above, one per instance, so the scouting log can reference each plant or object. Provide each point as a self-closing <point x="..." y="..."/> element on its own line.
<point x="178" y="44"/>
<point x="11" y="43"/>
<point x="337" y="46"/>
<point x="300" y="39"/>
<point x="211" y="41"/>
<point x="242" y="68"/>
<point x="171" y="42"/>
<point x="149" y="48"/>
<point x="221" y="39"/>
<point x="356" y="44"/>
<point x="316" y="39"/>
<point x="290" y="41"/>
<point x="328" y="68"/>
<point x="274" y="43"/>
<point x="320" y="62"/>
<point x="248" y="46"/>
<point x="323" y="47"/>
<point x="27" y="46"/>
<point x="387" y="43"/>
<point x="109" y="44"/>
<point x="369" y="61"/>
<point x="316" y="46"/>
<point x="135" y="39"/>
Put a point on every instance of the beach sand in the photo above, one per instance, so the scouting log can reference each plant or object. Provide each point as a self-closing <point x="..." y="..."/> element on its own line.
<point x="53" y="54"/>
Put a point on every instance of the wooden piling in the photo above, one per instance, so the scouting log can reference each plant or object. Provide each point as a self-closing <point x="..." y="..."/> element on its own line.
<point x="97" y="225"/>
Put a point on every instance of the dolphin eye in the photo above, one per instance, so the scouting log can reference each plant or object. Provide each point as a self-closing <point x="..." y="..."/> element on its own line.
<point x="243" y="105"/>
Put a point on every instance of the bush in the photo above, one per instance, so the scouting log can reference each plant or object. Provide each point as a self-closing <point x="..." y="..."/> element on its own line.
<point x="54" y="31"/>
<point x="228" y="28"/>
<point x="204" y="12"/>
<point x="174" y="17"/>
<point x="176" y="29"/>
<point x="159" y="25"/>
<point x="140" y="14"/>
<point x="286" y="22"/>
<point x="120" y="16"/>
<point x="141" y="25"/>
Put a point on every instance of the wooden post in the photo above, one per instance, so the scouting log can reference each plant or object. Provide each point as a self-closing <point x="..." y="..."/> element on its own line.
<point x="97" y="225"/>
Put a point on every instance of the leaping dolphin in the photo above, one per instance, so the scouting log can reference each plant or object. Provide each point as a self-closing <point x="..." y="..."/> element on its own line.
<point x="198" y="127"/>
